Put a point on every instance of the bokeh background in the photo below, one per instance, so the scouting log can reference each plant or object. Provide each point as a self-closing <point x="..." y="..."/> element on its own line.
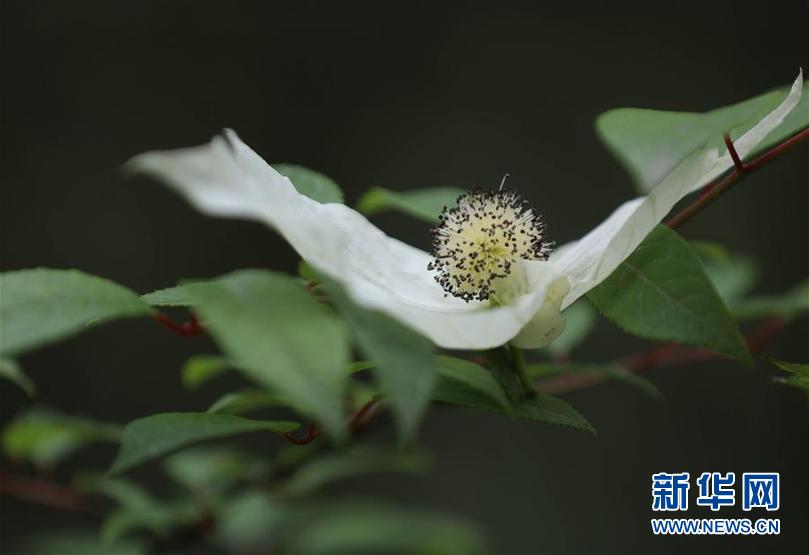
<point x="405" y="95"/>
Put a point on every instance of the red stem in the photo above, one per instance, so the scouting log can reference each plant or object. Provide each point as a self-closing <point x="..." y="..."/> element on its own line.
<point x="358" y="419"/>
<point x="711" y="191"/>
<point x="44" y="492"/>
<point x="665" y="354"/>
<point x="187" y="329"/>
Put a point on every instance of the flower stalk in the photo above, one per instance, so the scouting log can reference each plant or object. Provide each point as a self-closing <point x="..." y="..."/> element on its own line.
<point x="521" y="369"/>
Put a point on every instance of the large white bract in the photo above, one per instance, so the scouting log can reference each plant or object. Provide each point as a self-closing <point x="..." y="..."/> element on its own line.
<point x="226" y="178"/>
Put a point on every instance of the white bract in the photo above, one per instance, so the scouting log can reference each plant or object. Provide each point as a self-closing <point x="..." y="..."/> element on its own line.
<point x="226" y="178"/>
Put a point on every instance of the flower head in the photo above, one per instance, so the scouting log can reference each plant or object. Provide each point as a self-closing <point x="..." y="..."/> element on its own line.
<point x="480" y="239"/>
<point x="491" y="246"/>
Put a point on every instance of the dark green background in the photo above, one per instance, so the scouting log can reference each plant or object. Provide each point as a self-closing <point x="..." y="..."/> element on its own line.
<point x="407" y="95"/>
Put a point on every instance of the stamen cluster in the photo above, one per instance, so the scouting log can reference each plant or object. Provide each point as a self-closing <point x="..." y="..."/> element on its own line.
<point x="481" y="238"/>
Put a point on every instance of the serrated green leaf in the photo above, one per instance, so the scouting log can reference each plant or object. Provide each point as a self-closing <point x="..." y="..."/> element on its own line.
<point x="787" y="306"/>
<point x="179" y="295"/>
<point x="661" y="292"/>
<point x="170" y="296"/>
<point x="610" y="371"/>
<point x="201" y="369"/>
<point x="313" y="184"/>
<point x="651" y="143"/>
<point x="403" y="361"/>
<point x="43" y="305"/>
<point x="46" y="437"/>
<point x="552" y="410"/>
<point x="425" y="204"/>
<point x="11" y="371"/>
<point x="355" y="462"/>
<point x="363" y="527"/>
<point x="245" y="401"/>
<point x="539" y="407"/>
<point x="462" y="382"/>
<point x="580" y="319"/>
<point x="274" y="332"/>
<point x="157" y="435"/>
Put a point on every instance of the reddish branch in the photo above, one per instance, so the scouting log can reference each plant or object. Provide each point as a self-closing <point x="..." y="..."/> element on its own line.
<point x="187" y="329"/>
<point x="311" y="434"/>
<point x="358" y="419"/>
<point x="666" y="354"/>
<point x="711" y="191"/>
<point x="44" y="492"/>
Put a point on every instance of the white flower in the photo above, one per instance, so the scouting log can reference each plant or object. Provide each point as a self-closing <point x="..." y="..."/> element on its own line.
<point x="226" y="178"/>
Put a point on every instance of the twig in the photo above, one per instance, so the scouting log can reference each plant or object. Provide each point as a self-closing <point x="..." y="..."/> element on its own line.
<point x="716" y="188"/>
<point x="45" y="492"/>
<point x="358" y="418"/>
<point x="311" y="434"/>
<point x="364" y="414"/>
<point x="666" y="354"/>
<point x="518" y="363"/>
<point x="187" y="329"/>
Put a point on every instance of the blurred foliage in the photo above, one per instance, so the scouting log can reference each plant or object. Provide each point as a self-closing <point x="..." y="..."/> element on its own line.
<point x="313" y="184"/>
<point x="424" y="204"/>
<point x="46" y="437"/>
<point x="43" y="305"/>
<point x="11" y="371"/>
<point x="159" y="434"/>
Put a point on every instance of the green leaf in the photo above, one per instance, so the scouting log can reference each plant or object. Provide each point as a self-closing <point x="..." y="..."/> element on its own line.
<point x="340" y="465"/>
<point x="539" y="407"/>
<point x="403" y="360"/>
<point x="277" y="334"/>
<point x="153" y="436"/>
<point x="213" y="469"/>
<point x="10" y="370"/>
<point x="363" y="527"/>
<point x="651" y="143"/>
<point x="250" y="522"/>
<point x="306" y="271"/>
<point x="732" y="275"/>
<point x="199" y="370"/>
<point x="137" y="509"/>
<point x="425" y="204"/>
<point x="462" y="382"/>
<point x="46" y="437"/>
<point x="787" y="306"/>
<point x="76" y="542"/>
<point x="799" y="374"/>
<point x="661" y="292"/>
<point x="611" y="371"/>
<point x="245" y="401"/>
<point x="552" y="410"/>
<point x="41" y="306"/>
<point x="313" y="184"/>
<point x="580" y="319"/>
<point x="792" y="367"/>
<point x="170" y="296"/>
